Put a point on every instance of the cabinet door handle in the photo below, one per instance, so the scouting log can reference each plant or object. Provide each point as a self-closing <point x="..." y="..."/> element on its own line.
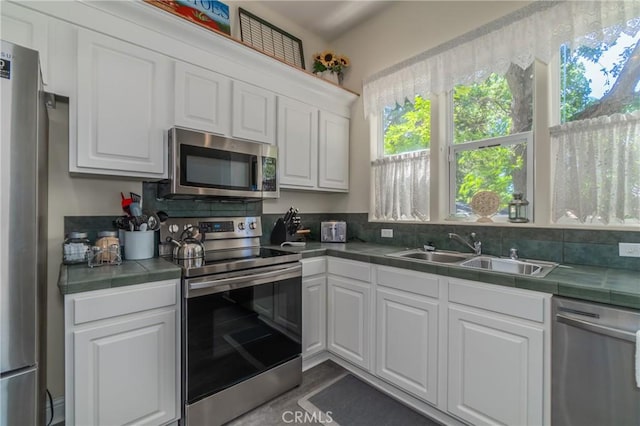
<point x="597" y="328"/>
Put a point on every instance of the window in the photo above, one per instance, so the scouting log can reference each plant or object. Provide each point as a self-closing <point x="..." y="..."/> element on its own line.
<point x="597" y="144"/>
<point x="491" y="146"/>
<point x="601" y="80"/>
<point x="407" y="127"/>
<point x="401" y="172"/>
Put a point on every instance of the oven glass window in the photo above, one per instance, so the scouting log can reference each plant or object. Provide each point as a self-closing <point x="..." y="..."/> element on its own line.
<point x="206" y="167"/>
<point x="237" y="334"/>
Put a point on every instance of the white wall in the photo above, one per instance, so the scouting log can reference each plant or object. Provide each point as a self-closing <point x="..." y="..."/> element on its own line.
<point x="400" y="32"/>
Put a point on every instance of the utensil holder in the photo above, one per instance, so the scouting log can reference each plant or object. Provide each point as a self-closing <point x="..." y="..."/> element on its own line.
<point x="139" y="244"/>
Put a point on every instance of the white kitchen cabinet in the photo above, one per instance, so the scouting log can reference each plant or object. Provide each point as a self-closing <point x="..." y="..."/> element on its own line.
<point x="334" y="152"/>
<point x="314" y="306"/>
<point x="254" y="113"/>
<point x="122" y="355"/>
<point x="202" y="99"/>
<point x="407" y="342"/>
<point x="314" y="310"/>
<point x="297" y="140"/>
<point x="496" y="371"/>
<point x="349" y="311"/>
<point x="26" y="28"/>
<point x="123" y="108"/>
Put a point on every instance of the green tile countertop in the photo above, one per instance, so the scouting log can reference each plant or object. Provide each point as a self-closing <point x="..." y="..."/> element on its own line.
<point x="597" y="284"/>
<point x="79" y="278"/>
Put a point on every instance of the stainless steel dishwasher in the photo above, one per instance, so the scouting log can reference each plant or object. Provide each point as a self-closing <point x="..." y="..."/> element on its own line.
<point x="593" y="365"/>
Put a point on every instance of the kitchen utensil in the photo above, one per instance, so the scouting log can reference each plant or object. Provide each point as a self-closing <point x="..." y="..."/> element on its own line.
<point x="135" y="209"/>
<point x="163" y="216"/>
<point x="153" y="222"/>
<point x="189" y="248"/>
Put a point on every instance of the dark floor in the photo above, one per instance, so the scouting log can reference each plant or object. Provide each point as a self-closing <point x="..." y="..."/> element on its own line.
<point x="270" y="414"/>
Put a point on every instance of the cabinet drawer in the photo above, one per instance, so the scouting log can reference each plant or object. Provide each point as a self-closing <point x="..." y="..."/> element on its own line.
<point x="350" y="269"/>
<point x="109" y="303"/>
<point x="315" y="266"/>
<point x="523" y="304"/>
<point x="415" y="282"/>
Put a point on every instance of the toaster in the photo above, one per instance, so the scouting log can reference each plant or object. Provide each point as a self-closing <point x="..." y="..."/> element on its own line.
<point x="333" y="232"/>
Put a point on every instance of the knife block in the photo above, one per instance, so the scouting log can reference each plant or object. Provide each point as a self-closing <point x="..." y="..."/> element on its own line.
<point x="279" y="232"/>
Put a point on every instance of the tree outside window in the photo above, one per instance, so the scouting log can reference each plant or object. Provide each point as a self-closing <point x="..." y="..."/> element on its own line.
<point x="490" y="145"/>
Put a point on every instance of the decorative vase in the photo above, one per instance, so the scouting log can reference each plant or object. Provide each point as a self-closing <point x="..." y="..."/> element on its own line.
<point x="329" y="76"/>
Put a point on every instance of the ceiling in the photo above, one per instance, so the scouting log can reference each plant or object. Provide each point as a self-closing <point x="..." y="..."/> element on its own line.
<point x="328" y="19"/>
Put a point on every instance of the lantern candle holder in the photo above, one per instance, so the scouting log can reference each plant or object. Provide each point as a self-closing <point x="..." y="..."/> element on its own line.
<point x="518" y="209"/>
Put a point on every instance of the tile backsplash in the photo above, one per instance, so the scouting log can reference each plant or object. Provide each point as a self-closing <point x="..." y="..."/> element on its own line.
<point x="570" y="246"/>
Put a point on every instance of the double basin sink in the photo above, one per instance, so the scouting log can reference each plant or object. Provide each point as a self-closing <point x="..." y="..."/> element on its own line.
<point x="532" y="268"/>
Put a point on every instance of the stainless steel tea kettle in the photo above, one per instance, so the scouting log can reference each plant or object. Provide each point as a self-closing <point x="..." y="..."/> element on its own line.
<point x="188" y="248"/>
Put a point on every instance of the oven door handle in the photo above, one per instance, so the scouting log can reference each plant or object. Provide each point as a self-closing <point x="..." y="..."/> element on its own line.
<point x="248" y="280"/>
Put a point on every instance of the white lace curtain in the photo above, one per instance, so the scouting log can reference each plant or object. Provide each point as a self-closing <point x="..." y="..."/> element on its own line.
<point x="597" y="170"/>
<point x="534" y="32"/>
<point x="401" y="185"/>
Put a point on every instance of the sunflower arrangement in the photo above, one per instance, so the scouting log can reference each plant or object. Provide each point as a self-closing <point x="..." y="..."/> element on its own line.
<point x="329" y="61"/>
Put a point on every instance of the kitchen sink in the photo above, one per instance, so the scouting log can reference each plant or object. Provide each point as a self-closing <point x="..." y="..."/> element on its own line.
<point x="510" y="266"/>
<point x="432" y="256"/>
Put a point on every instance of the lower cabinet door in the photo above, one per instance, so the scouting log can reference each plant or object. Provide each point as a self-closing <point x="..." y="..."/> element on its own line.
<point x="407" y="342"/>
<point x="314" y="315"/>
<point x="495" y="369"/>
<point x="349" y="319"/>
<point x="125" y="372"/>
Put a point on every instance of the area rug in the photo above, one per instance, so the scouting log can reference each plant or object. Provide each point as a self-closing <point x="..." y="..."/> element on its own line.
<point x="348" y="401"/>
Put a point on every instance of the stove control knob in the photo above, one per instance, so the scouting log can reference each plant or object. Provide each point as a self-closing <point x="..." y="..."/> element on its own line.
<point x="252" y="225"/>
<point x="241" y="226"/>
<point x="173" y="228"/>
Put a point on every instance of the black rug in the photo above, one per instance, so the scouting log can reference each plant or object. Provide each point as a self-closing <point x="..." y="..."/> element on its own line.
<point x="349" y="401"/>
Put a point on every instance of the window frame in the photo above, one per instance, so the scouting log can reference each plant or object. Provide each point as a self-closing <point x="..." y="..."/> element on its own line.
<point x="514" y="139"/>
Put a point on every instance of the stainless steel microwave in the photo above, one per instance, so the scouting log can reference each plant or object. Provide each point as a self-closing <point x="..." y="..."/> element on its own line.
<point x="207" y="165"/>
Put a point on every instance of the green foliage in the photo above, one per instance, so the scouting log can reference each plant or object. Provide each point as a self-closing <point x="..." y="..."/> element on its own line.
<point x="407" y="127"/>
<point x="482" y="111"/>
<point x="575" y="91"/>
<point x="489" y="169"/>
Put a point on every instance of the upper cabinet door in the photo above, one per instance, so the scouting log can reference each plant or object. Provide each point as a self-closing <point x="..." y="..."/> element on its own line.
<point x="254" y="113"/>
<point x="334" y="151"/>
<point x="297" y="143"/>
<point x="26" y="28"/>
<point x="123" y="107"/>
<point x="202" y="99"/>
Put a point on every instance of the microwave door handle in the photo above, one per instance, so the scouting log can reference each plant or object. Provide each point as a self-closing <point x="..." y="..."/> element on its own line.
<point x="226" y="284"/>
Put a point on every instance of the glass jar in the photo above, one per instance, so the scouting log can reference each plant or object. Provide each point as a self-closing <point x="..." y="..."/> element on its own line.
<point x="76" y="248"/>
<point x="106" y="249"/>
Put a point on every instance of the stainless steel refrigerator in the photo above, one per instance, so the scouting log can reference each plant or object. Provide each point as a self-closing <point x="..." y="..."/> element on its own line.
<point x="23" y="237"/>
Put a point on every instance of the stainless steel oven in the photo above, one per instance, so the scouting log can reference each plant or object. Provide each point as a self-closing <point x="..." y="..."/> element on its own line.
<point x="205" y="165"/>
<point x="241" y="320"/>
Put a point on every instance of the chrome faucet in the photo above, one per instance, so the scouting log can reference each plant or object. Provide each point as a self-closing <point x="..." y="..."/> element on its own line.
<point x="476" y="246"/>
<point x="513" y="253"/>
